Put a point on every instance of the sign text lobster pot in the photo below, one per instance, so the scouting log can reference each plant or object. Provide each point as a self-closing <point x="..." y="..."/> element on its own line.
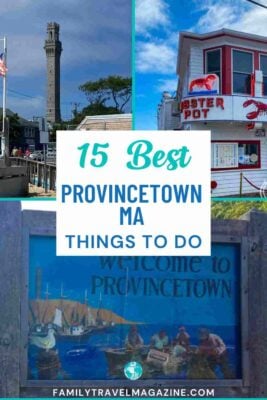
<point x="198" y="108"/>
<point x="224" y="108"/>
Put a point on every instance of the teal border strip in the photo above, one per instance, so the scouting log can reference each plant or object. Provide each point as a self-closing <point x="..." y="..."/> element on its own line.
<point x="215" y="199"/>
<point x="135" y="398"/>
<point x="239" y="199"/>
<point x="27" y="199"/>
<point x="133" y="64"/>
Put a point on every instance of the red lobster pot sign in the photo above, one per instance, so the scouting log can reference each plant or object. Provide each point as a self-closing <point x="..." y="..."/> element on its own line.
<point x="205" y="84"/>
<point x="259" y="108"/>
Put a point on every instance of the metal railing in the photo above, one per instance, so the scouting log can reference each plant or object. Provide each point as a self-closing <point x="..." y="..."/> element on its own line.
<point x="36" y="172"/>
<point x="262" y="190"/>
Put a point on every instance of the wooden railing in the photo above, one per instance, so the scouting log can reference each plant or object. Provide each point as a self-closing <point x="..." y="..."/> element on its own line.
<point x="37" y="173"/>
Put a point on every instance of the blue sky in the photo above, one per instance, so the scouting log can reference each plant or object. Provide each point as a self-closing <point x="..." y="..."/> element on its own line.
<point x="96" y="41"/>
<point x="158" y="23"/>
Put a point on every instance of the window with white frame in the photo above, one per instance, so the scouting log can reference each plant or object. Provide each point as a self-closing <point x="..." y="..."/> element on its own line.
<point x="242" y="70"/>
<point x="263" y="67"/>
<point x="224" y="155"/>
<point x="213" y="62"/>
<point x="232" y="155"/>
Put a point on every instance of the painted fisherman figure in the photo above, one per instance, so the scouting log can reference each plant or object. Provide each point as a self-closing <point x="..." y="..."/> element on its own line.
<point x="159" y="341"/>
<point x="214" y="348"/>
<point x="183" y="338"/>
<point x="133" y="340"/>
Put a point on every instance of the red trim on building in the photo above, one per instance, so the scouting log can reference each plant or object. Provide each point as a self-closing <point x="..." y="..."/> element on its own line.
<point x="262" y="53"/>
<point x="227" y="71"/>
<point x="221" y="63"/>
<point x="256" y="60"/>
<point x="224" y="70"/>
<point x="225" y="81"/>
<point x="226" y="64"/>
<point x="245" y="50"/>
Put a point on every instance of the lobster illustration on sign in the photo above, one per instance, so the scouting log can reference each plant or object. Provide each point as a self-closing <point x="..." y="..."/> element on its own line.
<point x="206" y="82"/>
<point x="261" y="108"/>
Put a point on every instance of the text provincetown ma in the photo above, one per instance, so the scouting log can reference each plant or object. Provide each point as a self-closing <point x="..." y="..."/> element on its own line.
<point x="133" y="193"/>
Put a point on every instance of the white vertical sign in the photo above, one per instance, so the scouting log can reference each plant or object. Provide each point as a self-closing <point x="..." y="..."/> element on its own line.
<point x="133" y="193"/>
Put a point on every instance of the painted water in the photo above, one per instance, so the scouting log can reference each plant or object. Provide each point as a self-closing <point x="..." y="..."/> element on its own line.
<point x="91" y="363"/>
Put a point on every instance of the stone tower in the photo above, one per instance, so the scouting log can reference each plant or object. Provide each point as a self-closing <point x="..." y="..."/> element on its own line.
<point x="53" y="50"/>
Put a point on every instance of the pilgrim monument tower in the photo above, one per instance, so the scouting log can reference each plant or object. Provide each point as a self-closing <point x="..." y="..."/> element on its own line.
<point x="53" y="50"/>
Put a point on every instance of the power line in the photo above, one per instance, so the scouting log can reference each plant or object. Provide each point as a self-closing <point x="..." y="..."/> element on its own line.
<point x="69" y="103"/>
<point x="68" y="113"/>
<point x="257" y="4"/>
<point x="21" y="94"/>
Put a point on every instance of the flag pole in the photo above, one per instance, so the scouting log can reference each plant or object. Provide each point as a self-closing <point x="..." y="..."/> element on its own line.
<point x="4" y="87"/>
<point x="4" y="136"/>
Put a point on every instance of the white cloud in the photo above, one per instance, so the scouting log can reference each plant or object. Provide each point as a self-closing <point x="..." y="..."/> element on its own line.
<point x="231" y="15"/>
<point x="155" y="57"/>
<point x="150" y="14"/>
<point x="216" y="15"/>
<point x="167" y="85"/>
<point x="155" y="54"/>
<point x="253" y="21"/>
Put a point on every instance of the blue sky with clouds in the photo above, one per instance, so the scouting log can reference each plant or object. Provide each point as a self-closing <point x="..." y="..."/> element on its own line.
<point x="158" y="23"/>
<point x="96" y="41"/>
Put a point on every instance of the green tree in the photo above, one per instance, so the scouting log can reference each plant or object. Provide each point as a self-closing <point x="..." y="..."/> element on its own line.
<point x="14" y="127"/>
<point x="114" y="90"/>
<point x="235" y="209"/>
<point x="92" y="109"/>
<point x="60" y="126"/>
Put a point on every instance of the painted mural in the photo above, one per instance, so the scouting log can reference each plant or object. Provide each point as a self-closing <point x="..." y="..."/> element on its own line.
<point x="177" y="317"/>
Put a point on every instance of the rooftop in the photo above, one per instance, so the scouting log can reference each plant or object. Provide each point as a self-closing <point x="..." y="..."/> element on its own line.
<point x="222" y="32"/>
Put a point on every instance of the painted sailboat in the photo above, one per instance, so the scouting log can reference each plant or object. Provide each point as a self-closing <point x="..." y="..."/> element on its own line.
<point x="39" y="328"/>
<point x="72" y="320"/>
<point x="75" y="330"/>
<point x="97" y="323"/>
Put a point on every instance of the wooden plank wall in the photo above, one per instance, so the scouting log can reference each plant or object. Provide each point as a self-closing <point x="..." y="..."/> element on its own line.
<point x="10" y="255"/>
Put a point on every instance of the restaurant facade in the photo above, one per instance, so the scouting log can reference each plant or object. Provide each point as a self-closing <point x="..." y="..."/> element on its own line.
<point x="223" y="88"/>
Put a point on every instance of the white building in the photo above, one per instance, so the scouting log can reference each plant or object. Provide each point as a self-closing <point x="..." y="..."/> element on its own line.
<point x="106" y="122"/>
<point x="167" y="112"/>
